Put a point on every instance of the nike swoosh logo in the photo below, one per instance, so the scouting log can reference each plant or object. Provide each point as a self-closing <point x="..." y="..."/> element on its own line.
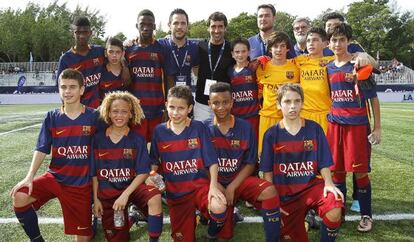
<point x="152" y="189"/>
<point x="133" y="55"/>
<point x="261" y="184"/>
<point x="82" y="228"/>
<point x="280" y="147"/>
<point x="59" y="132"/>
<point x="78" y="67"/>
<point x="267" y="76"/>
<point x="102" y="154"/>
<point x="107" y="85"/>
<point x="166" y="146"/>
<point x="356" y="165"/>
<point x="271" y="214"/>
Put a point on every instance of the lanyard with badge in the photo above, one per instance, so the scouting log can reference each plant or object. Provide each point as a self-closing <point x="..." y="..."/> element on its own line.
<point x="181" y="80"/>
<point x="211" y="81"/>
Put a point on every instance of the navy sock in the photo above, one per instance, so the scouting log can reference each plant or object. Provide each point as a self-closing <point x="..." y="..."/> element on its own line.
<point x="216" y="223"/>
<point x="271" y="216"/>
<point x="329" y="230"/>
<point x="354" y="188"/>
<point x="28" y="219"/>
<point x="154" y="227"/>
<point x="364" y="195"/>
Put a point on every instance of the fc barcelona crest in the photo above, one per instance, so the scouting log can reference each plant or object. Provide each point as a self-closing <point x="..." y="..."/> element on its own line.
<point x="235" y="143"/>
<point x="192" y="143"/>
<point x="86" y="130"/>
<point x="127" y="153"/>
<point x="96" y="62"/>
<point x="290" y="74"/>
<point x="323" y="63"/>
<point x="154" y="56"/>
<point x="308" y="145"/>
<point x="349" y="77"/>
<point x="248" y="78"/>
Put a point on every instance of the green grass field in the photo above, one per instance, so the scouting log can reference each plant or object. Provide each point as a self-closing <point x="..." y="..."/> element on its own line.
<point x="392" y="179"/>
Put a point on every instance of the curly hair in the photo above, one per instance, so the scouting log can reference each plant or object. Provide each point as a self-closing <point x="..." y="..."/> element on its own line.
<point x="133" y="102"/>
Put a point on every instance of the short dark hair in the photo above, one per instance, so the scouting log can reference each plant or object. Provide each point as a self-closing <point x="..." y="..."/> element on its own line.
<point x="342" y="29"/>
<point x="81" y="21"/>
<point x="217" y="16"/>
<point x="115" y="42"/>
<point x="278" y="37"/>
<point x="146" y="12"/>
<point x="281" y="92"/>
<point x="240" y="40"/>
<point x="332" y="15"/>
<point x="72" y="74"/>
<point x="178" y="11"/>
<point x="320" y="31"/>
<point x="220" y="87"/>
<point x="182" y="92"/>
<point x="269" y="6"/>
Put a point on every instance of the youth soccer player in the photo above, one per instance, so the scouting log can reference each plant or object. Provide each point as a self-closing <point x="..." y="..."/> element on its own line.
<point x="146" y="58"/>
<point x="314" y="79"/>
<point x="244" y="85"/>
<point x="112" y="79"/>
<point x="276" y="72"/>
<point x="186" y="158"/>
<point x="348" y="127"/>
<point x="67" y="133"/>
<point x="119" y="168"/>
<point x="88" y="59"/>
<point x="296" y="158"/>
<point x="236" y="146"/>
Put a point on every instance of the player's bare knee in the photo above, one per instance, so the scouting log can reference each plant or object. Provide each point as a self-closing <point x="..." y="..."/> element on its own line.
<point x="82" y="238"/>
<point x="20" y="199"/>
<point x="334" y="214"/>
<point x="360" y="175"/>
<point x="267" y="193"/>
<point x="155" y="202"/>
<point x="216" y="206"/>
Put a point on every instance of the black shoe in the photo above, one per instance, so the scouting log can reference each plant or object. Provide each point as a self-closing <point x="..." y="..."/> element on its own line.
<point x="237" y="216"/>
<point x="136" y="216"/>
<point x="311" y="220"/>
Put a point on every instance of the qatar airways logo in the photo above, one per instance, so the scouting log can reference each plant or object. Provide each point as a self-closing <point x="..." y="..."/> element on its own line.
<point x="92" y="80"/>
<point x="342" y="95"/>
<point x="182" y="167"/>
<point x="242" y="96"/>
<point x="297" y="169"/>
<point x="144" y="71"/>
<point x="73" y="152"/>
<point x="116" y="174"/>
<point x="228" y="165"/>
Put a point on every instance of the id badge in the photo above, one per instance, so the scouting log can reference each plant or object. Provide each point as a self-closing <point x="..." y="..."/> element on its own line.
<point x="181" y="81"/>
<point x="209" y="82"/>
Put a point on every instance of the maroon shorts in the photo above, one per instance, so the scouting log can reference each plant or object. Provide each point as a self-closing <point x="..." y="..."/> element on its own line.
<point x="140" y="198"/>
<point x="249" y="190"/>
<point x="76" y="202"/>
<point x="146" y="128"/>
<point x="350" y="148"/>
<point x="182" y="213"/>
<point x="293" y="226"/>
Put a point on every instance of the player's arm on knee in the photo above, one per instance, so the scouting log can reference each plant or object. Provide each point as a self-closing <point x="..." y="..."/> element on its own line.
<point x="246" y="171"/>
<point x="214" y="191"/>
<point x="329" y="185"/>
<point x="38" y="158"/>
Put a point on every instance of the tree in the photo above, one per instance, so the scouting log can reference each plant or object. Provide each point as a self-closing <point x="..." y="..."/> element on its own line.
<point x="198" y="29"/>
<point x="243" y="26"/>
<point x="284" y="23"/>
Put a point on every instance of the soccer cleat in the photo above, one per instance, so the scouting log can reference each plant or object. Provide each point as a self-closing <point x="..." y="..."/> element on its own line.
<point x="355" y="206"/>
<point x="248" y="205"/>
<point x="311" y="220"/>
<point x="237" y="216"/>
<point x="135" y="216"/>
<point x="365" y="224"/>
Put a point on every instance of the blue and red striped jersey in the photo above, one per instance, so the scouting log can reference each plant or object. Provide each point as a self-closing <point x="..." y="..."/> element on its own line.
<point x="235" y="149"/>
<point x="146" y="65"/>
<point x="348" y="107"/>
<point x="70" y="142"/>
<point x="91" y="67"/>
<point x="116" y="165"/>
<point x="183" y="159"/>
<point x="109" y="83"/>
<point x="244" y="92"/>
<point x="295" y="160"/>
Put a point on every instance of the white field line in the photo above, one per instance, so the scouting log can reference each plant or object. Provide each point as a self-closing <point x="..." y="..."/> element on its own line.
<point x="20" y="129"/>
<point x="255" y="219"/>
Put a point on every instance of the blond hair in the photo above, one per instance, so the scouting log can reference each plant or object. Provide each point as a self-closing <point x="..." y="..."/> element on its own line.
<point x="133" y="102"/>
